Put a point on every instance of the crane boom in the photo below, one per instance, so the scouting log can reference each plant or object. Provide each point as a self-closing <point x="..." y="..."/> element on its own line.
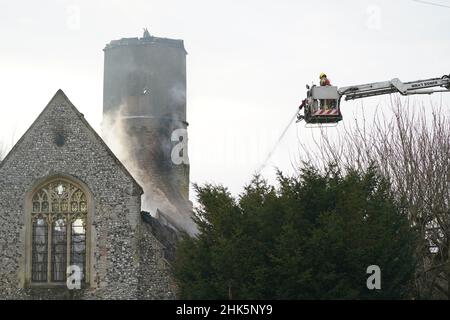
<point x="394" y="86"/>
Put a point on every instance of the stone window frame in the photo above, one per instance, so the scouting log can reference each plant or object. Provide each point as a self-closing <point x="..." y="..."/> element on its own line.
<point x="88" y="281"/>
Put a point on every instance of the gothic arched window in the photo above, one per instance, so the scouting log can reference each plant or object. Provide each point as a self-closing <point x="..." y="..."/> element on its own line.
<point x="59" y="212"/>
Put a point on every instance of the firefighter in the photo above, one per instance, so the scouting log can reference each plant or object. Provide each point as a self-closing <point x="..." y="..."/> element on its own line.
<point x="325" y="104"/>
<point x="324" y="80"/>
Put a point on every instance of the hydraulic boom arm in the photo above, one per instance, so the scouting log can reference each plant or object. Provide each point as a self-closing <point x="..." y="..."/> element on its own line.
<point x="395" y="85"/>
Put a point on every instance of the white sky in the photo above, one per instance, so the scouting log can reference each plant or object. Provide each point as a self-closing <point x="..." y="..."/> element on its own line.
<point x="248" y="64"/>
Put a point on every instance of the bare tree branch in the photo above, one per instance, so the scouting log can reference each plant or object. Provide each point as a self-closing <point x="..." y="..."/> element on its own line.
<point x="413" y="151"/>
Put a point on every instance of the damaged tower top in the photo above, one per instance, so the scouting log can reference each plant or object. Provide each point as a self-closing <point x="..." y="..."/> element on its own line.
<point x="145" y="40"/>
<point x="146" y="33"/>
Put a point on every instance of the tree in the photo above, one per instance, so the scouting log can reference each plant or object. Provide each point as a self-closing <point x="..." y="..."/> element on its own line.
<point x="312" y="236"/>
<point x="413" y="151"/>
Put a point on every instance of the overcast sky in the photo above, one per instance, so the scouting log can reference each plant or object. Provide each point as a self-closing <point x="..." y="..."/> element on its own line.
<point x="247" y="66"/>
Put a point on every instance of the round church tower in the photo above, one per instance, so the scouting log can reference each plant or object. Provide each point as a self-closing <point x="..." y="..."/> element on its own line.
<point x="144" y="111"/>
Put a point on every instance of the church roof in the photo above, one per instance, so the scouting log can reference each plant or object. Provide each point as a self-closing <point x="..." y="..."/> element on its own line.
<point x="61" y="95"/>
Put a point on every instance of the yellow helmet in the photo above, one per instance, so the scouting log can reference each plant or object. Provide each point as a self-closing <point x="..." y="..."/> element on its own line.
<point x="323" y="75"/>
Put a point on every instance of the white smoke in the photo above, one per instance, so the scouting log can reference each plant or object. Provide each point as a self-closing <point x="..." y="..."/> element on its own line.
<point x="121" y="143"/>
<point x="2" y="151"/>
<point x="178" y="94"/>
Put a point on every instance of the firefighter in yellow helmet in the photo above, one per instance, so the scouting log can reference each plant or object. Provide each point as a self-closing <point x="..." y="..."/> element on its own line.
<point x="325" y="104"/>
<point x="324" y="80"/>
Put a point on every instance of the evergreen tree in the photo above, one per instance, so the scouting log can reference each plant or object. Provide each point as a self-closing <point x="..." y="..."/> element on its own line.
<point x="312" y="237"/>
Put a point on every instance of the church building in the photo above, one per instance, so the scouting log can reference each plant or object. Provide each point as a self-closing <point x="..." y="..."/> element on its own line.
<point x="70" y="214"/>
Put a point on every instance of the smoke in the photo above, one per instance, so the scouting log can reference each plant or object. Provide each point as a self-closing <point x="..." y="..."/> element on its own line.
<point x="178" y="94"/>
<point x="114" y="135"/>
<point x="143" y="152"/>
<point x="6" y="147"/>
<point x="2" y="151"/>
